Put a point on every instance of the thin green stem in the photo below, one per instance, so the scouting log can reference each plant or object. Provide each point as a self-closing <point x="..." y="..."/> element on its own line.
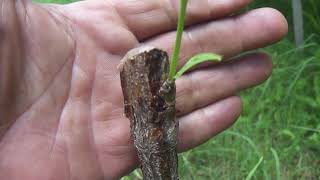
<point x="176" y="52"/>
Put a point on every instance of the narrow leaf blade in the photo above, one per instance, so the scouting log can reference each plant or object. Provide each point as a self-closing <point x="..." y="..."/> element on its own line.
<point x="197" y="59"/>
<point x="251" y="173"/>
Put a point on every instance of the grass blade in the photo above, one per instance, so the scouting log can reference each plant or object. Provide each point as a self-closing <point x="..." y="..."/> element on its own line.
<point x="276" y="158"/>
<point x="250" y="175"/>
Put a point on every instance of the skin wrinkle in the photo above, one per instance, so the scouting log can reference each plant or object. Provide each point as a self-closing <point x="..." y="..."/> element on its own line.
<point x="92" y="130"/>
<point x="71" y="124"/>
<point x="240" y="42"/>
<point x="77" y="97"/>
<point x="57" y="13"/>
<point x="50" y="81"/>
<point x="203" y="115"/>
<point x="107" y="105"/>
<point x="38" y="132"/>
<point x="173" y="17"/>
<point x="182" y="92"/>
<point x="39" y="68"/>
<point x="117" y="150"/>
<point x="25" y="11"/>
<point x="102" y="103"/>
<point x="43" y="93"/>
<point x="104" y="41"/>
<point x="196" y="89"/>
<point x="123" y="22"/>
<point x="63" y="107"/>
<point x="204" y="14"/>
<point x="236" y="77"/>
<point x="35" y="103"/>
<point x="134" y="5"/>
<point x="125" y="17"/>
<point x="155" y="7"/>
<point x="195" y="85"/>
<point x="59" y="128"/>
<point x="77" y="94"/>
<point x="131" y="42"/>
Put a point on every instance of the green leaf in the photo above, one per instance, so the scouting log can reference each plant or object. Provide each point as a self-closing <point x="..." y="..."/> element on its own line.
<point x="197" y="59"/>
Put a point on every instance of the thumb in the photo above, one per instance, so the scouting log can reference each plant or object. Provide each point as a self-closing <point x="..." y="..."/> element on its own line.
<point x="10" y="57"/>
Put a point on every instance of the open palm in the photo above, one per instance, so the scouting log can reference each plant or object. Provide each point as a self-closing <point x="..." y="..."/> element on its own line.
<point x="60" y="96"/>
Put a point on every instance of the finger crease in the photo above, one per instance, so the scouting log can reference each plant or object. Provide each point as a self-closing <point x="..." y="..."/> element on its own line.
<point x="195" y="87"/>
<point x="240" y="42"/>
<point x="170" y="8"/>
<point x="235" y="77"/>
<point x="124" y="22"/>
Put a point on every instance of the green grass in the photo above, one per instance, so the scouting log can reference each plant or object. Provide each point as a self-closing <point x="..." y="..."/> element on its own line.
<point x="278" y="135"/>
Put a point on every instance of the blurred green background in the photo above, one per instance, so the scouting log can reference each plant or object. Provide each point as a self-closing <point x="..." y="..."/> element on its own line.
<point x="278" y="134"/>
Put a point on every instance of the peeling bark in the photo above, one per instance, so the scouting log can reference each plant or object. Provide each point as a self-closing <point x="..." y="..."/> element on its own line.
<point x="149" y="101"/>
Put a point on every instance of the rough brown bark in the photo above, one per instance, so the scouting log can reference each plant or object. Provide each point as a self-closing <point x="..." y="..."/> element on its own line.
<point x="149" y="101"/>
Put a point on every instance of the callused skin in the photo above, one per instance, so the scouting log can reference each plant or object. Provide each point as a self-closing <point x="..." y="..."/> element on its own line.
<point x="61" y="112"/>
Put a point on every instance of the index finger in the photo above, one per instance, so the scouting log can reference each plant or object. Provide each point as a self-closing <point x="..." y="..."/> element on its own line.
<point x="146" y="18"/>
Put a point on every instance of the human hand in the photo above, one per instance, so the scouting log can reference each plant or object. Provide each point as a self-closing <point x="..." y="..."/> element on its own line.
<point x="61" y="103"/>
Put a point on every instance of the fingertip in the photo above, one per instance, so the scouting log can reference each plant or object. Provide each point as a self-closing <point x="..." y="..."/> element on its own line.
<point x="277" y="23"/>
<point x="266" y="26"/>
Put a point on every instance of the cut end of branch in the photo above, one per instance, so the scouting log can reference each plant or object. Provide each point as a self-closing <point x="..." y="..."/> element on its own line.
<point x="132" y="53"/>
